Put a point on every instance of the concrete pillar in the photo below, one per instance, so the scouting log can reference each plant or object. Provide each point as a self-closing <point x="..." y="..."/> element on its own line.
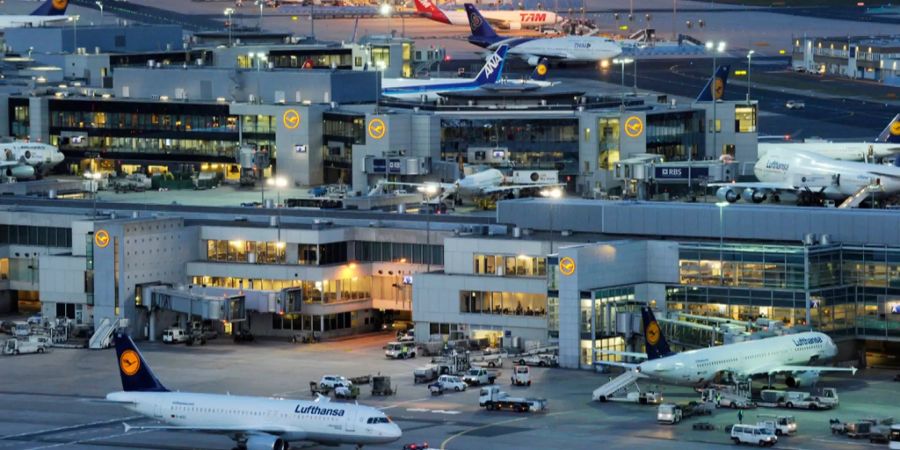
<point x="322" y="323"/>
<point x="151" y="320"/>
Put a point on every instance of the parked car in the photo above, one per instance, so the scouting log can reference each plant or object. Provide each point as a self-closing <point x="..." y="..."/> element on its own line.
<point x="447" y="383"/>
<point x="174" y="335"/>
<point x="795" y="104"/>
<point x="332" y="381"/>
<point x="752" y="434"/>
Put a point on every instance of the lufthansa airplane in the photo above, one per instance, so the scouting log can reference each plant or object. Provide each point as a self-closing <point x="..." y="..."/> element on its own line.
<point x="22" y="160"/>
<point x="254" y="423"/>
<point x="793" y="355"/>
<point x="52" y="11"/>
<point x="886" y="145"/>
<point x="430" y="87"/>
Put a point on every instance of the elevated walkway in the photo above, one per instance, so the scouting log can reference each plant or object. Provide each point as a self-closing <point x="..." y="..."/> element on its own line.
<point x="196" y="305"/>
<point x="623" y="381"/>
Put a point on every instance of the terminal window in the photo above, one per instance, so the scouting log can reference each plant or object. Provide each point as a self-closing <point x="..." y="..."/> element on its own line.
<point x="505" y="303"/>
<point x="512" y="266"/>
<point x="745" y="119"/>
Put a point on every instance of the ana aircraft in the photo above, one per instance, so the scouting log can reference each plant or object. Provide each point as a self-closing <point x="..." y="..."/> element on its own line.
<point x="23" y="160"/>
<point x="51" y="11"/>
<point x="417" y="88"/>
<point x="254" y="423"/>
<point x="513" y="20"/>
<point x="812" y="177"/>
<point x="566" y="48"/>
<point x="791" y="355"/>
<point x="886" y="145"/>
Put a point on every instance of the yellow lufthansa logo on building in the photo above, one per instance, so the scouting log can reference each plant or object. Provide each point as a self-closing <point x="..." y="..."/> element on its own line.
<point x="653" y="333"/>
<point x="101" y="238"/>
<point x="377" y="128"/>
<point x="634" y="126"/>
<point x="129" y="362"/>
<point x="291" y="119"/>
<point x="567" y="266"/>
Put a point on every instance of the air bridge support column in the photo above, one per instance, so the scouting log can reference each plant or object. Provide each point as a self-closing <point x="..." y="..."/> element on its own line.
<point x="152" y="322"/>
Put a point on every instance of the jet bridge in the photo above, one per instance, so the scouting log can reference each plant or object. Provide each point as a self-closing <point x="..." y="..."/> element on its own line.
<point x="196" y="305"/>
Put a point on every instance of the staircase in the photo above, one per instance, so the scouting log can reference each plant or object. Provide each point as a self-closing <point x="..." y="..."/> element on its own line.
<point x="860" y="196"/>
<point x="102" y="337"/>
<point x="622" y="381"/>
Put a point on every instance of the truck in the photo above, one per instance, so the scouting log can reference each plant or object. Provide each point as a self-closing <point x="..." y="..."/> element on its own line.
<point x="425" y="374"/>
<point x="399" y="350"/>
<point x="174" y="335"/>
<point x="780" y="425"/>
<point x="453" y="364"/>
<point x="673" y="413"/>
<point x="728" y="398"/>
<point x="875" y="430"/>
<point x="637" y="396"/>
<point x="479" y="376"/>
<point x="521" y="376"/>
<point x="19" y="345"/>
<point x="541" y="360"/>
<point x="493" y="399"/>
<point x="486" y="359"/>
<point x="797" y="399"/>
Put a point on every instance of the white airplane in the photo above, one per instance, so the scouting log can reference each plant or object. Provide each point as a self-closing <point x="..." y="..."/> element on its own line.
<point x="886" y="145"/>
<point x="479" y="184"/>
<point x="812" y="177"/>
<point x="566" y="48"/>
<point x="791" y="355"/>
<point x="51" y="11"/>
<point x="513" y="20"/>
<point x="23" y="160"/>
<point x="254" y="423"/>
<point x="414" y="88"/>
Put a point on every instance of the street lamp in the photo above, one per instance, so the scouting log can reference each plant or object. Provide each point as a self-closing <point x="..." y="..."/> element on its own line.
<point x="554" y="193"/>
<point x="74" y="20"/>
<point x="278" y="183"/>
<point x="722" y="206"/>
<point x="715" y="48"/>
<point x="386" y="9"/>
<point x="229" y="12"/>
<point x="100" y="5"/>
<point x="749" y="60"/>
<point x="623" y="61"/>
<point x="260" y="3"/>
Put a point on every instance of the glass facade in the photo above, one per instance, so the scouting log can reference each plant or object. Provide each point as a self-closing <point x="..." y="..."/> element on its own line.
<point x="31" y="235"/>
<point x="243" y="251"/>
<point x="510" y="266"/>
<point x="341" y="132"/>
<point x="675" y="135"/>
<point x="532" y="144"/>
<point x="745" y="118"/>
<point x="398" y="252"/>
<point x="19" y="118"/>
<point x="506" y="303"/>
<point x="608" y="129"/>
<point x="327" y="291"/>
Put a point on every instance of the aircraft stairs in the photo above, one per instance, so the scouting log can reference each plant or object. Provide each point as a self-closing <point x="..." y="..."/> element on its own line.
<point x="618" y="383"/>
<point x="856" y="199"/>
<point x="102" y="337"/>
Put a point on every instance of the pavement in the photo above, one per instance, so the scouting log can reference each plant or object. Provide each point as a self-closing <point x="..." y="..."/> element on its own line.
<point x="52" y="401"/>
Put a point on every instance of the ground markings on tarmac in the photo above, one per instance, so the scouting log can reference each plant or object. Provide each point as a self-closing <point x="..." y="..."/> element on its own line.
<point x="478" y="431"/>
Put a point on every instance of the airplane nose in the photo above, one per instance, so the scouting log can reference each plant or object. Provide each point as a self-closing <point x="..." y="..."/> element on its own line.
<point x="396" y="432"/>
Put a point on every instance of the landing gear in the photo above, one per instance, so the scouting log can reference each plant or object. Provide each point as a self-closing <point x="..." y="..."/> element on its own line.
<point x="809" y="198"/>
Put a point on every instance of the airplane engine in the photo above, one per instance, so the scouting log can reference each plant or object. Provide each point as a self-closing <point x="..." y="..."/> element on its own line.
<point x="799" y="379"/>
<point x="266" y="442"/>
<point x="20" y="171"/>
<point x="727" y="194"/>
<point x="753" y="195"/>
<point x="533" y="60"/>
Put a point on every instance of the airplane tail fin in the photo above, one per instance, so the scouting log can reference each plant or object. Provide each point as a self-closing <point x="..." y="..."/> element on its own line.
<point x="715" y="86"/>
<point x="891" y="133"/>
<point x="480" y="27"/>
<point x="135" y="372"/>
<point x="654" y="341"/>
<point x="540" y="70"/>
<point x="52" y="8"/>
<point x="493" y="67"/>
<point x="428" y="9"/>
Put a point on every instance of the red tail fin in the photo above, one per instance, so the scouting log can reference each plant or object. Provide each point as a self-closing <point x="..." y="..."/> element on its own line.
<point x="428" y="9"/>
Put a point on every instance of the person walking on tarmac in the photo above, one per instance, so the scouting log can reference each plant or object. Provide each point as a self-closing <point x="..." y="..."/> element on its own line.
<point x="740" y="416"/>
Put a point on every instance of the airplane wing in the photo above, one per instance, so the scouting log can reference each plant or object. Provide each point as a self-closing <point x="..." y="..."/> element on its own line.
<point x="514" y="187"/>
<point x="628" y="354"/>
<point x="10" y="163"/>
<point x="787" y="368"/>
<point x="619" y="364"/>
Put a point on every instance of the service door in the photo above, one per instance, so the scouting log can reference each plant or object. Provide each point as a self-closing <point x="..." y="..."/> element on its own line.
<point x="350" y="421"/>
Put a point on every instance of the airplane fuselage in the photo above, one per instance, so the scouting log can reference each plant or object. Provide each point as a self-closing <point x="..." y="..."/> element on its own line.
<point x="323" y="422"/>
<point x="741" y="359"/>
<point x="567" y="48"/>
<point x="19" y="21"/>
<point x="847" y="151"/>
<point x="475" y="184"/>
<point x="840" y="179"/>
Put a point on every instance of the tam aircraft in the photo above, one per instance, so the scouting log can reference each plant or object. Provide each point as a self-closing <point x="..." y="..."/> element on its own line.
<point x="254" y="423"/>
<point x="23" y="160"/>
<point x="886" y="145"/>
<point x="51" y="11"/>
<point x="513" y="20"/>
<point x="793" y="355"/>
<point x="566" y="48"/>
<point x="416" y="88"/>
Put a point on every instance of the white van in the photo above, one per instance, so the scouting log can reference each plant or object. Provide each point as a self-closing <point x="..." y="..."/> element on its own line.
<point x="752" y="434"/>
<point x="174" y="335"/>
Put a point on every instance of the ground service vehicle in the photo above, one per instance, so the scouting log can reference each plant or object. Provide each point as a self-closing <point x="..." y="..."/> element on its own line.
<point x="492" y="398"/>
<point x="479" y="377"/>
<point x="752" y="434"/>
<point x="18" y="346"/>
<point x="425" y="374"/>
<point x="399" y="350"/>
<point x="521" y="376"/>
<point x="780" y="426"/>
<point x="874" y="430"/>
<point x="174" y="335"/>
<point x="674" y="413"/>
<point x="487" y="359"/>
<point x="407" y="336"/>
<point x="447" y="383"/>
<point x="795" y="104"/>
<point x="824" y="399"/>
<point x="539" y="360"/>
<point x="332" y="381"/>
<point x="894" y="438"/>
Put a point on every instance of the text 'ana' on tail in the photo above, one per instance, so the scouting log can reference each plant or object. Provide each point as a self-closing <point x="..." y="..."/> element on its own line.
<point x="654" y="341"/>
<point x="891" y="133"/>
<point x="715" y="85"/>
<point x="135" y="372"/>
<point x="52" y="8"/>
<point x="493" y="67"/>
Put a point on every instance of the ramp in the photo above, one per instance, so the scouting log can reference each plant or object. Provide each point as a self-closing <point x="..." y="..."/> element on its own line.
<point x="620" y="382"/>
<point x="860" y="196"/>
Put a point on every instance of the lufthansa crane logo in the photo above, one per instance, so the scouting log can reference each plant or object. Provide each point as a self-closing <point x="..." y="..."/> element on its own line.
<point x="60" y="4"/>
<point x="567" y="266"/>
<point x="895" y="128"/>
<point x="719" y="90"/>
<point x="291" y="119"/>
<point x="101" y="238"/>
<point x="542" y="69"/>
<point x="653" y="333"/>
<point x="377" y="128"/>
<point x="634" y="126"/>
<point x="129" y="362"/>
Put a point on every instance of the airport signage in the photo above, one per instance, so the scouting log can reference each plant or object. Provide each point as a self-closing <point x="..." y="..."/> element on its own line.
<point x="634" y="126"/>
<point x="291" y="119"/>
<point x="377" y="129"/>
<point x="394" y="166"/>
<point x="379" y="165"/>
<point x="678" y="173"/>
<point x="101" y="238"/>
<point x="567" y="266"/>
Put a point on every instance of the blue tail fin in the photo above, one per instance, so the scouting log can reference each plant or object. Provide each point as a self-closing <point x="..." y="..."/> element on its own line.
<point x="481" y="29"/>
<point x="493" y="67"/>
<point x="891" y="133"/>
<point x="654" y="341"/>
<point x="52" y="8"/>
<point x="715" y="85"/>
<point x="540" y="70"/>
<point x="135" y="372"/>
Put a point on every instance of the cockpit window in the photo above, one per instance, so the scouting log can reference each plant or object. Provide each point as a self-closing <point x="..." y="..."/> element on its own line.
<point x="374" y="420"/>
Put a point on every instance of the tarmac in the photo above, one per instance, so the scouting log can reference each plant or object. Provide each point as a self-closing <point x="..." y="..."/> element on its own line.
<point x="55" y="401"/>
